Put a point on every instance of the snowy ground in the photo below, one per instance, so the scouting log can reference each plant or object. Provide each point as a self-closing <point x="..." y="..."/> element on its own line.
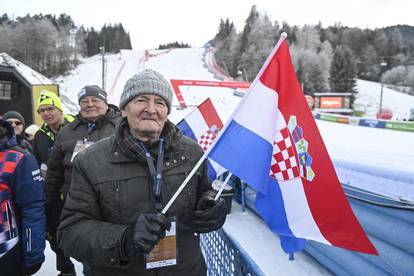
<point x="369" y="98"/>
<point x="387" y="154"/>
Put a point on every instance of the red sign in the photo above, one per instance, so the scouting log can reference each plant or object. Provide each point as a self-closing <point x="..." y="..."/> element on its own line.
<point x="330" y="102"/>
<point x="177" y="83"/>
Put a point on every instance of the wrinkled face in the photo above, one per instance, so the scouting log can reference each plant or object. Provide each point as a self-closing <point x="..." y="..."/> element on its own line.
<point x="50" y="114"/>
<point x="17" y="125"/>
<point x="91" y="108"/>
<point x="146" y="115"/>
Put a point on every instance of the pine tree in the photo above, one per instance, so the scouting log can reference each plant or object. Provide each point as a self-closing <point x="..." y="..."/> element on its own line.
<point x="343" y="72"/>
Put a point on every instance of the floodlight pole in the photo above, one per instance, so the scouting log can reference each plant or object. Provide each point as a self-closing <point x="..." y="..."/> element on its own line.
<point x="382" y="64"/>
<point x="102" y="48"/>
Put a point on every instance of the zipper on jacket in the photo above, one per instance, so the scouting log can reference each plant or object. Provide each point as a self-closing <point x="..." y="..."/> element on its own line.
<point x="116" y="188"/>
<point x="29" y="239"/>
<point x="9" y="214"/>
<point x="117" y="191"/>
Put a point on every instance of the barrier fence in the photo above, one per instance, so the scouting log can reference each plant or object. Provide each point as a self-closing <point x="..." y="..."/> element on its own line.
<point x="395" y="125"/>
<point x="225" y="257"/>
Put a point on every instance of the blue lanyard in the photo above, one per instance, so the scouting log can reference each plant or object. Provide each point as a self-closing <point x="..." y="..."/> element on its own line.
<point x="91" y="127"/>
<point x="156" y="174"/>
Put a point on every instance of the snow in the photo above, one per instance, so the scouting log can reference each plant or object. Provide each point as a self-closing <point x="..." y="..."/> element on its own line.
<point x="387" y="154"/>
<point x="28" y="73"/>
<point x="369" y="97"/>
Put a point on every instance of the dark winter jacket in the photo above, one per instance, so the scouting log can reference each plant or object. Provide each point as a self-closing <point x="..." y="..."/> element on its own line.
<point x="22" y="219"/>
<point x="110" y="190"/>
<point x="59" y="165"/>
<point x="44" y="139"/>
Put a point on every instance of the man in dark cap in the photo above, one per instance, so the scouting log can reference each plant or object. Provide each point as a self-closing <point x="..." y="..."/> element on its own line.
<point x="17" y="121"/>
<point x="96" y="120"/>
<point x="112" y="217"/>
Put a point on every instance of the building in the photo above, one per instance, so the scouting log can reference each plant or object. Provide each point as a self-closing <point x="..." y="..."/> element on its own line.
<point x="20" y="86"/>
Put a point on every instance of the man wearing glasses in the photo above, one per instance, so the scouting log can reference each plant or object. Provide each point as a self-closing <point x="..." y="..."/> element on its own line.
<point x="96" y="120"/>
<point x="50" y="109"/>
<point x="17" y="121"/>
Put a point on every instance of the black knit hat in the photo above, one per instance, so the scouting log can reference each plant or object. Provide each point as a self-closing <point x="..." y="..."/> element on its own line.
<point x="13" y="115"/>
<point x="92" y="90"/>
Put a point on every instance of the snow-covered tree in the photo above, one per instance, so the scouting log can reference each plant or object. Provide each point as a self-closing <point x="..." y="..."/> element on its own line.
<point x="343" y="71"/>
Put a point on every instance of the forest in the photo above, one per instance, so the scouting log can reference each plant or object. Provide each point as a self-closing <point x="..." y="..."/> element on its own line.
<point x="52" y="45"/>
<point x="326" y="59"/>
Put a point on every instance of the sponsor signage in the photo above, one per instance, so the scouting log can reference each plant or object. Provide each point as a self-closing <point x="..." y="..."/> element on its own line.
<point x="400" y="126"/>
<point x="330" y="102"/>
<point x="372" y="123"/>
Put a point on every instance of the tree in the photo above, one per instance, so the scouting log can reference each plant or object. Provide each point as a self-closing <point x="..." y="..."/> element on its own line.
<point x="395" y="76"/>
<point x="343" y="71"/>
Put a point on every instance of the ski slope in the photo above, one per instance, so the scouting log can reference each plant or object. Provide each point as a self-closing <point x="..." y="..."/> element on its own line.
<point x="377" y="160"/>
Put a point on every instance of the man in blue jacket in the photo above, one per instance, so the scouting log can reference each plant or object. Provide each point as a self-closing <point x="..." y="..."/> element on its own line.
<point x="22" y="216"/>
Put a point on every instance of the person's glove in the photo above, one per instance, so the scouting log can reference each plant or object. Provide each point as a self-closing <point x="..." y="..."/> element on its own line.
<point x="209" y="214"/>
<point x="30" y="270"/>
<point x="145" y="233"/>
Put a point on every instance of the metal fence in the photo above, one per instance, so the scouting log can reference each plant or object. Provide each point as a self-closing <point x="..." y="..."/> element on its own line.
<point x="224" y="256"/>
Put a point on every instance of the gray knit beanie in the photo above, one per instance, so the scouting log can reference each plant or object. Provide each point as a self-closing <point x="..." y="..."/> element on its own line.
<point x="14" y="115"/>
<point x="146" y="82"/>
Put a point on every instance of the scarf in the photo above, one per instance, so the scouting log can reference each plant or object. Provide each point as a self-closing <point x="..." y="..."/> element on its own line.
<point x="131" y="146"/>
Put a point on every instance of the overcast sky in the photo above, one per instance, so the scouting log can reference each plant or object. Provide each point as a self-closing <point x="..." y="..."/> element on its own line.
<point x="154" y="22"/>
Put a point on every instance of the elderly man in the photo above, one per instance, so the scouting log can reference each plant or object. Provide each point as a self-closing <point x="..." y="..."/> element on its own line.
<point x="50" y="109"/>
<point x="96" y="120"/>
<point x="112" y="217"/>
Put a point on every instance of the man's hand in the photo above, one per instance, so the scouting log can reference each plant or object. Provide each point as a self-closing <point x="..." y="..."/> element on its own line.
<point x="210" y="214"/>
<point x="145" y="233"/>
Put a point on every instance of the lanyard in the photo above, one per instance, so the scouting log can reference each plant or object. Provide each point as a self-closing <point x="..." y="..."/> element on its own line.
<point x="91" y="127"/>
<point x="156" y="174"/>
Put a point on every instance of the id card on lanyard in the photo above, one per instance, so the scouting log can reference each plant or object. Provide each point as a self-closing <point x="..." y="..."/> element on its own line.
<point x="82" y="145"/>
<point x="165" y="252"/>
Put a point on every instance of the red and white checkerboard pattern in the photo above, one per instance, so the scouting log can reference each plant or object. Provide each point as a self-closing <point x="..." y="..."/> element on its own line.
<point x="206" y="139"/>
<point x="284" y="165"/>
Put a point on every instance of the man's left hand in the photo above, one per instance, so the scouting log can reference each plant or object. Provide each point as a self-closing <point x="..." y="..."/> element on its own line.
<point x="210" y="214"/>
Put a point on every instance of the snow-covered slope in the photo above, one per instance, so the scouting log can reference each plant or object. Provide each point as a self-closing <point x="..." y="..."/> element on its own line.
<point x="369" y="97"/>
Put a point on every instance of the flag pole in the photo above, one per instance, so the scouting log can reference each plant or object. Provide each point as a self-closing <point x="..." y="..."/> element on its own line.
<point x="182" y="186"/>
<point x="222" y="186"/>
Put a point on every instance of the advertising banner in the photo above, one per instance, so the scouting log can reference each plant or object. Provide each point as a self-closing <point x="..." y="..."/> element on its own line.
<point x="330" y="102"/>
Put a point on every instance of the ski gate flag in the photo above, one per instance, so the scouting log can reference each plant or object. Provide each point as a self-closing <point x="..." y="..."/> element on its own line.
<point x="202" y="125"/>
<point x="273" y="144"/>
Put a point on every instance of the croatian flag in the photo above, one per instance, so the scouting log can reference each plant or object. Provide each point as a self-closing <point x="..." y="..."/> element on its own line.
<point x="202" y="125"/>
<point x="272" y="142"/>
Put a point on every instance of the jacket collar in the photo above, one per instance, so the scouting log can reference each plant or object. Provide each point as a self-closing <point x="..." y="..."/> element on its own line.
<point x="170" y="132"/>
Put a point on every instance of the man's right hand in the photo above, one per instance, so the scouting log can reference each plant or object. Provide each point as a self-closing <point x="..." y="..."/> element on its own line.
<point x="145" y="233"/>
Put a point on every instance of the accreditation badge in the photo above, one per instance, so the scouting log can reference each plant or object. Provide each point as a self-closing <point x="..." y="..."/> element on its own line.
<point x="165" y="252"/>
<point x="80" y="146"/>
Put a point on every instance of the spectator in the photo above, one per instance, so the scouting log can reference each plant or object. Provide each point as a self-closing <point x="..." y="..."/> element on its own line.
<point x="17" y="121"/>
<point x="30" y="132"/>
<point x="50" y="109"/>
<point x="96" y="120"/>
<point x="22" y="227"/>
<point x="111" y="218"/>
